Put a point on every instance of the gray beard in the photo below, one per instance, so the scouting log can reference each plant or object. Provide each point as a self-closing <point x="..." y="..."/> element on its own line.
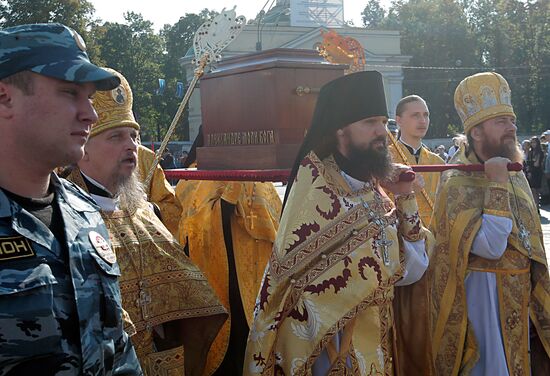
<point x="130" y="193"/>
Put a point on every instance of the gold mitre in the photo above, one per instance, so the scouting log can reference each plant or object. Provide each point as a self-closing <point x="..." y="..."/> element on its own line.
<point x="481" y="97"/>
<point x="114" y="108"/>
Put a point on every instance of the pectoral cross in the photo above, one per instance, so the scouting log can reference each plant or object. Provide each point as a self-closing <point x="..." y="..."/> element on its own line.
<point x="143" y="301"/>
<point x="524" y="237"/>
<point x="384" y="242"/>
<point x="251" y="216"/>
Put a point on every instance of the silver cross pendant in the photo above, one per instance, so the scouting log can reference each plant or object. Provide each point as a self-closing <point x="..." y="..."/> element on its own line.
<point x="384" y="242"/>
<point x="524" y="237"/>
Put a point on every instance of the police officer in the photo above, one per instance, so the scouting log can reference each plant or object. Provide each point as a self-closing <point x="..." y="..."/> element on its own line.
<point x="60" y="309"/>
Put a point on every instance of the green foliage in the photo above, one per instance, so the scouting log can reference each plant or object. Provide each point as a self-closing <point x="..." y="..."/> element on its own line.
<point x="513" y="36"/>
<point x="453" y="130"/>
<point x="510" y="35"/>
<point x="179" y="39"/>
<point x="74" y="13"/>
<point x="373" y="15"/>
<point x="77" y="14"/>
<point x="135" y="50"/>
<point x="436" y="34"/>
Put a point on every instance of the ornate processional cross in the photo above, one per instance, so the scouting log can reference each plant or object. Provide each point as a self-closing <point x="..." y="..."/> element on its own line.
<point x="209" y="41"/>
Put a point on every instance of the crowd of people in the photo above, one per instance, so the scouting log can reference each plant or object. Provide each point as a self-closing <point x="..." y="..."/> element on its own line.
<point x="365" y="268"/>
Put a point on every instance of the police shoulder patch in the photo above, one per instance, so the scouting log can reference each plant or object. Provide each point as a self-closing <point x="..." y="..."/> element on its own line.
<point x="15" y="247"/>
<point x="102" y="247"/>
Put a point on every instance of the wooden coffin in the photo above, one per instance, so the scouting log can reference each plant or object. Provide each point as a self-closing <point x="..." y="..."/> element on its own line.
<point x="256" y="108"/>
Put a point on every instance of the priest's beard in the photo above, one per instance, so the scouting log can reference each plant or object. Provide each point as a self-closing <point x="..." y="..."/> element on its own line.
<point x="506" y="147"/>
<point x="129" y="192"/>
<point x="375" y="161"/>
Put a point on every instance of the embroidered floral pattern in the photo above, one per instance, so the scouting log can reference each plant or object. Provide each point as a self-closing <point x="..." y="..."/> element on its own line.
<point x="410" y="224"/>
<point x="462" y="192"/>
<point x="371" y="263"/>
<point x="496" y="198"/>
<point x="335" y="205"/>
<point x="512" y="321"/>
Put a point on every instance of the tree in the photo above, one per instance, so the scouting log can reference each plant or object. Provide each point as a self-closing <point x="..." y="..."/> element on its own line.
<point x="179" y="39"/>
<point x="539" y="58"/>
<point x="76" y="14"/>
<point x="513" y="38"/>
<point x="436" y="34"/>
<point x="469" y="36"/>
<point x="373" y="15"/>
<point x="136" y="51"/>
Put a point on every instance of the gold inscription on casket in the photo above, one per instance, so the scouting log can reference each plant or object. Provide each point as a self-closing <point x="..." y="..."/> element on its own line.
<point x="265" y="137"/>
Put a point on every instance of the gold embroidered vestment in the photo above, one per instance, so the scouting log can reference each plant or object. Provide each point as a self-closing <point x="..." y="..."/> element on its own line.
<point x="254" y="224"/>
<point x="160" y="285"/>
<point x="160" y="191"/>
<point x="411" y="303"/>
<point x="431" y="179"/>
<point x="521" y="273"/>
<point x="327" y="275"/>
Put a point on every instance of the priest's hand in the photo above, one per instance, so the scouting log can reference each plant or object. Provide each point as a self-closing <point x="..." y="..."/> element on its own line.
<point x="392" y="183"/>
<point x="496" y="169"/>
<point x="418" y="183"/>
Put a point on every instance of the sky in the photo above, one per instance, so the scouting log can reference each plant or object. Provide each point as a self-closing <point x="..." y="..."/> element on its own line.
<point x="161" y="12"/>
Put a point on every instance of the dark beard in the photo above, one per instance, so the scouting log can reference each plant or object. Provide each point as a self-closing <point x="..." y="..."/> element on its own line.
<point x="373" y="162"/>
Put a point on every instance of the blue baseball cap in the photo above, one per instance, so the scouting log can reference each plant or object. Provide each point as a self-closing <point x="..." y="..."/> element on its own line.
<point x="53" y="50"/>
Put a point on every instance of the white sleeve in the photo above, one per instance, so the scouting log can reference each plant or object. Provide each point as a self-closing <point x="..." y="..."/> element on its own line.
<point x="492" y="238"/>
<point x="416" y="262"/>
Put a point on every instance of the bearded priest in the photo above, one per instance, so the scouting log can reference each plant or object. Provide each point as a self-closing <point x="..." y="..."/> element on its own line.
<point x="174" y="314"/>
<point x="325" y="302"/>
<point x="490" y="302"/>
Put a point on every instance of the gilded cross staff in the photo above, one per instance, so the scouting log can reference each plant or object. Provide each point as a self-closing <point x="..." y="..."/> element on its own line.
<point x="211" y="38"/>
<point x="198" y="73"/>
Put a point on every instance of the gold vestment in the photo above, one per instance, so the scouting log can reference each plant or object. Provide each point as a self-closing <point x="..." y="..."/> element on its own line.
<point x="160" y="191"/>
<point x="411" y="303"/>
<point x="254" y="224"/>
<point x="431" y="179"/>
<point x="523" y="284"/>
<point x="159" y="285"/>
<point x="336" y="258"/>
